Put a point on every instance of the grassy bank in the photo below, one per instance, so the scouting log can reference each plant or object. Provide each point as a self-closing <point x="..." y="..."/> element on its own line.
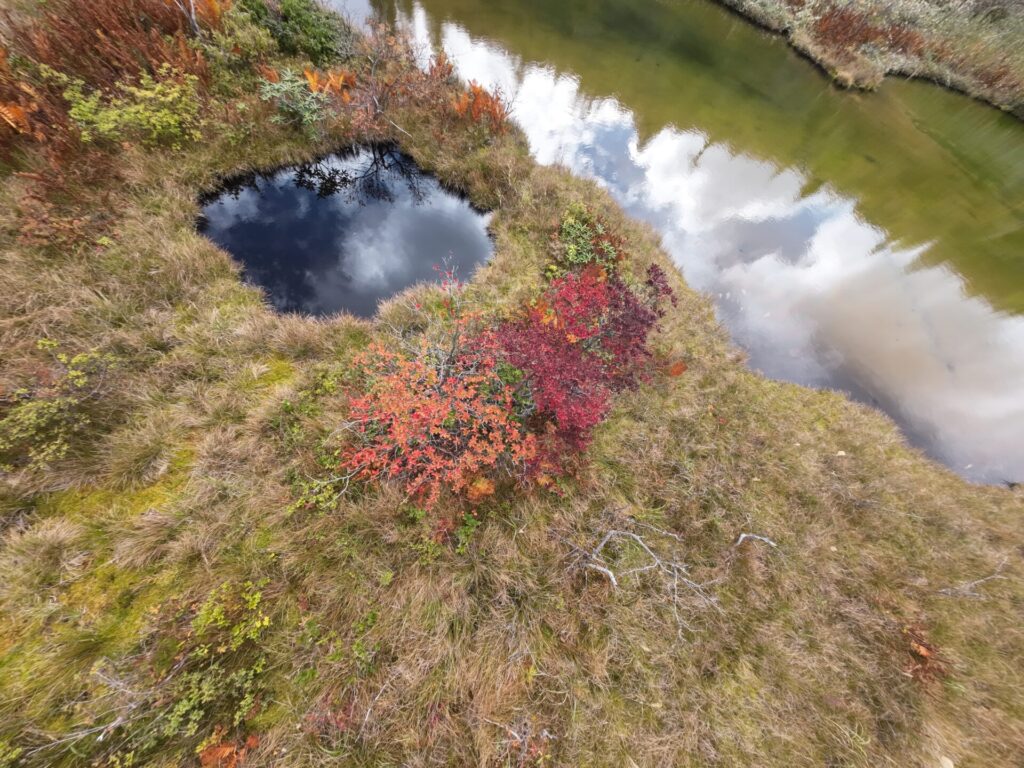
<point x="182" y="581"/>
<point x="974" y="46"/>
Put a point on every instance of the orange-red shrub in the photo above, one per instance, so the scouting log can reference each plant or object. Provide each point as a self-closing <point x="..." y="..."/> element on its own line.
<point x="436" y="423"/>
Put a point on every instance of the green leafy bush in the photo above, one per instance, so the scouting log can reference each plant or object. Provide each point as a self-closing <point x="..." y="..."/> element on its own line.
<point x="297" y="105"/>
<point x="304" y="27"/>
<point x="161" y="111"/>
<point x="585" y="240"/>
<point x="239" y="42"/>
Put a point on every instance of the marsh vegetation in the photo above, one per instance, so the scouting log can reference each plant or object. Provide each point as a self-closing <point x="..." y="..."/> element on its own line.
<point x="547" y="516"/>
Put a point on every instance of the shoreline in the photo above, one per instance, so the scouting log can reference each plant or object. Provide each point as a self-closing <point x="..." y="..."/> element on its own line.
<point x="855" y="69"/>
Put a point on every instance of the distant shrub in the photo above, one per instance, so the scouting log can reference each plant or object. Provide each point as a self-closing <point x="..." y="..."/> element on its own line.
<point x="163" y="111"/>
<point x="297" y="104"/>
<point x="304" y="27"/>
<point x="239" y="41"/>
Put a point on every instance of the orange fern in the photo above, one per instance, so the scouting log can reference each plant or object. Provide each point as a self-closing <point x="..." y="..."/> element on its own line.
<point x="313" y="78"/>
<point x="16" y="117"/>
<point x="479" y="104"/>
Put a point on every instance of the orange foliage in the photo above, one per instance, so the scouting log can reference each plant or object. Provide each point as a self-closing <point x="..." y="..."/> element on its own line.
<point x="105" y="41"/>
<point x="227" y="754"/>
<point x="27" y="112"/>
<point x="436" y="425"/>
<point x="478" y="104"/>
<point x="338" y="83"/>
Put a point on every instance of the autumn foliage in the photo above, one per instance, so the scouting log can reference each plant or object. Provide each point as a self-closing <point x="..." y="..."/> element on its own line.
<point x="582" y="341"/>
<point x="338" y="83"/>
<point x="105" y="41"/>
<point x="514" y="399"/>
<point x="478" y="105"/>
<point x="437" y="424"/>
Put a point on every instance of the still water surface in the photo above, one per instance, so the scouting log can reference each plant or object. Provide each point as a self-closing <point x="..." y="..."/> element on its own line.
<point x="872" y="243"/>
<point x="345" y="232"/>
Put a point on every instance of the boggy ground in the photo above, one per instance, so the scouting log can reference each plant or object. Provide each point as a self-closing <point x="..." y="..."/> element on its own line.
<point x="974" y="46"/>
<point x="187" y="587"/>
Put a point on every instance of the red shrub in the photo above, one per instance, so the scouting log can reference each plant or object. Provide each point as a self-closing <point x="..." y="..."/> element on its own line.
<point x="585" y="339"/>
<point x="436" y="423"/>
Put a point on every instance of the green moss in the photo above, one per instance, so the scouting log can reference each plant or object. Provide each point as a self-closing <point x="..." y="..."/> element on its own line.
<point x="84" y="505"/>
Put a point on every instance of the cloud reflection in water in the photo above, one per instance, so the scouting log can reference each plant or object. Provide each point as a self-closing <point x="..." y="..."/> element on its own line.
<point x="812" y="292"/>
<point x="345" y="233"/>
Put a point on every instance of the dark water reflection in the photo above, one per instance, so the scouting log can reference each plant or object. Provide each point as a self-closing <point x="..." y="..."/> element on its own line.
<point x="345" y="232"/>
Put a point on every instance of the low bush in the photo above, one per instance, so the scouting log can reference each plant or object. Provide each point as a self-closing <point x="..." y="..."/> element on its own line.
<point x="239" y="42"/>
<point x="303" y="27"/>
<point x="514" y="399"/>
<point x="582" y="341"/>
<point x="442" y="420"/>
<point x="39" y="423"/>
<point x="157" y="111"/>
<point x="297" y="104"/>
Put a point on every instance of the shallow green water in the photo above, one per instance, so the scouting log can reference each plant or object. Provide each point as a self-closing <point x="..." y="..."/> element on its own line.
<point x="868" y="242"/>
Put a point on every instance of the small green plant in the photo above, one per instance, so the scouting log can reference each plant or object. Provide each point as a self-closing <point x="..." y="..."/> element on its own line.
<point x="9" y="755"/>
<point x="156" y="111"/>
<point x="220" y="664"/>
<point x="40" y="423"/>
<point x="296" y="104"/>
<point x="364" y="651"/>
<point x="464" y="533"/>
<point x="583" y="240"/>
<point x="247" y="622"/>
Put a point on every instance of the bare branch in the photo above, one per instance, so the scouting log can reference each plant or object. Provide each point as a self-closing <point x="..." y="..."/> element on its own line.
<point x="744" y="536"/>
<point x="967" y="589"/>
<point x="673" y="574"/>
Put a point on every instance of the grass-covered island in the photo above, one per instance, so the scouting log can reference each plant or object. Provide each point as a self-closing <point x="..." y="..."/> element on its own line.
<point x="972" y="46"/>
<point x="547" y="517"/>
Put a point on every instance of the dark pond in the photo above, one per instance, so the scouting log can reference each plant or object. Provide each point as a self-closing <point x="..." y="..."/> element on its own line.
<point x="344" y="232"/>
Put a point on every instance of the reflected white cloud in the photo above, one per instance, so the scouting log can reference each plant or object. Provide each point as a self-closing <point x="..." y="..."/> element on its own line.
<point x="815" y="294"/>
<point x="346" y="232"/>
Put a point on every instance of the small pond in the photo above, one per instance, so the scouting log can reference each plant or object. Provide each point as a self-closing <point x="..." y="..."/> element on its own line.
<point x="345" y="232"/>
